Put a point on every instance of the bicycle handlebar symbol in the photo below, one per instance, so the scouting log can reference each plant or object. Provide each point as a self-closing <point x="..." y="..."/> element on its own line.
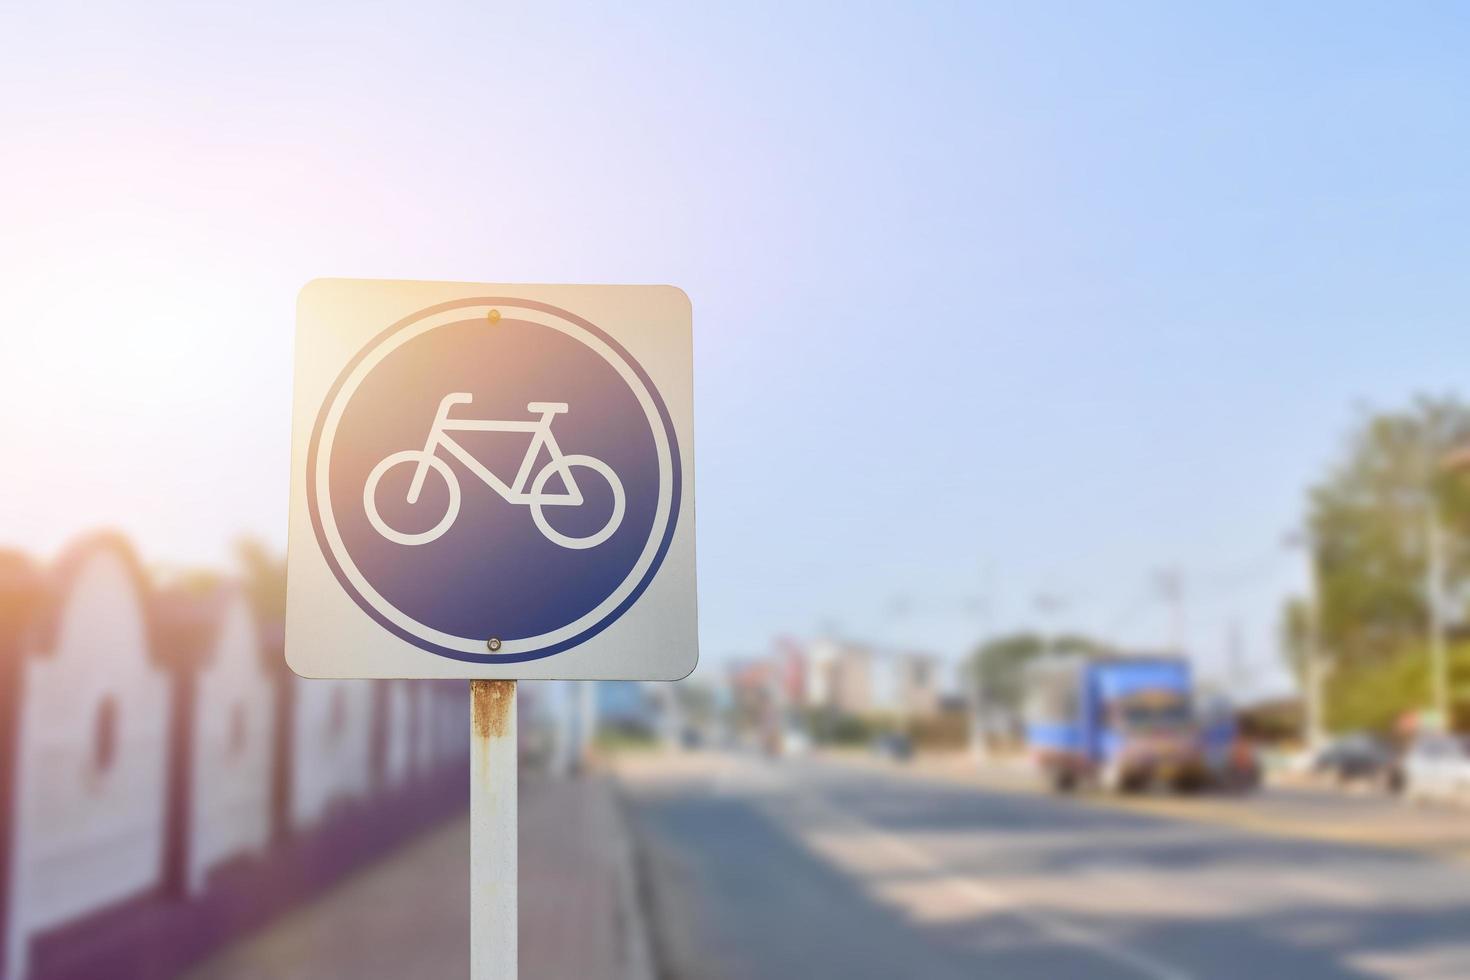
<point x="516" y="492"/>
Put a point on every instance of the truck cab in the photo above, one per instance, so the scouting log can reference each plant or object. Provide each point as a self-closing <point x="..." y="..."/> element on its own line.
<point x="1122" y="722"/>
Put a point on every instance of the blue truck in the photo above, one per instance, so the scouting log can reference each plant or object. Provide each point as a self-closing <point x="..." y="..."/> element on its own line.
<point x="1128" y="723"/>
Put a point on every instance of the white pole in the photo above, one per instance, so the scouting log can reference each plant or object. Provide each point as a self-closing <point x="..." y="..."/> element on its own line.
<point x="1314" y="669"/>
<point x="1315" y="715"/>
<point x="977" y="705"/>
<point x="973" y="678"/>
<point x="493" y="842"/>
<point x="1434" y="575"/>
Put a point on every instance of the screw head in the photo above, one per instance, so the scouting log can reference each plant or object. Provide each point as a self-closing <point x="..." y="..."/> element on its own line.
<point x="493" y="643"/>
<point x="493" y="316"/>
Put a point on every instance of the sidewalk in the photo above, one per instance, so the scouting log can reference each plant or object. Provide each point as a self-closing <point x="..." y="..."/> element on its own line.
<point x="408" y="915"/>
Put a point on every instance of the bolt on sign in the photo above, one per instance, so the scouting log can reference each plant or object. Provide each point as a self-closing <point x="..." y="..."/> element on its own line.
<point x="492" y="481"/>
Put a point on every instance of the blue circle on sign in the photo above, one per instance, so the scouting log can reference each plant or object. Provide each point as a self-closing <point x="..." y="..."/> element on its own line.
<point x="494" y="480"/>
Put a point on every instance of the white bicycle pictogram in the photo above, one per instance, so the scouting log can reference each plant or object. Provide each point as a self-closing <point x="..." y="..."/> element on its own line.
<point x="516" y="492"/>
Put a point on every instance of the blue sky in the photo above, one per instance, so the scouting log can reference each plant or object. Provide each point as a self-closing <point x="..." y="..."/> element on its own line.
<point x="990" y="300"/>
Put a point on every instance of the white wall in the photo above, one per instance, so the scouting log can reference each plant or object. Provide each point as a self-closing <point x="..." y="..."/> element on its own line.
<point x="86" y="833"/>
<point x="234" y="721"/>
<point x="449" y="734"/>
<point x="332" y="745"/>
<point x="398" y="759"/>
<point x="423" y="739"/>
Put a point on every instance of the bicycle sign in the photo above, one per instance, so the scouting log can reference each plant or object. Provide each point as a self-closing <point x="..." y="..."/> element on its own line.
<point x="426" y="459"/>
<point x="491" y="481"/>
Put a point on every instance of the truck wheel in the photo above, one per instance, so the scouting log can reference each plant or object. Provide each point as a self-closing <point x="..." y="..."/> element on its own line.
<point x="1189" y="785"/>
<point x="1063" y="782"/>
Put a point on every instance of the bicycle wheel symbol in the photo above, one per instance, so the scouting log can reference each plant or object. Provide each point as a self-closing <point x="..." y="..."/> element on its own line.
<point x="620" y="502"/>
<point x="417" y="458"/>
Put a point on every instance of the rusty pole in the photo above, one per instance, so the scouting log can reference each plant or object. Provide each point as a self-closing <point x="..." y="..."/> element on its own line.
<point x="493" y="803"/>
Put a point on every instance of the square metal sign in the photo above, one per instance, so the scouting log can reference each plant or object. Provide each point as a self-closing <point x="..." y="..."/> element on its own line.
<point x="492" y="481"/>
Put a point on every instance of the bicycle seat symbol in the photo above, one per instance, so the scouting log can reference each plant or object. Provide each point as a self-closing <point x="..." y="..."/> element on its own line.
<point x="517" y="491"/>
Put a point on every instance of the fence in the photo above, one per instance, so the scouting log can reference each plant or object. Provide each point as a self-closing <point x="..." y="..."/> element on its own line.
<point x="167" y="784"/>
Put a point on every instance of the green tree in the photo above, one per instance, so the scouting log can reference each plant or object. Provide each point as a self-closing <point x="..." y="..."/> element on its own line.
<point x="1001" y="663"/>
<point x="1369" y="523"/>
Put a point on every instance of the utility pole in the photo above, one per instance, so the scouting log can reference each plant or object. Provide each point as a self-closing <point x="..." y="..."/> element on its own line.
<point x="1235" y="672"/>
<point x="1455" y="461"/>
<point x="975" y="668"/>
<point x="1316" y="716"/>
<point x="1434" y="575"/>
<point x="1170" y="584"/>
<point x="1050" y="605"/>
<point x="1313" y="670"/>
<point x="1434" y="598"/>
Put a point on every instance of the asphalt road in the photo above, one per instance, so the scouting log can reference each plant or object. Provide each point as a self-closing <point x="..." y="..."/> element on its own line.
<point x="814" y="869"/>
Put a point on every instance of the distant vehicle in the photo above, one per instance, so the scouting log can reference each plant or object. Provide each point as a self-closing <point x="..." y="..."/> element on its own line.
<point x="1231" y="760"/>
<point x="1238" y="770"/>
<point x="1437" y="766"/>
<point x="892" y="745"/>
<point x="1359" y="758"/>
<point x="1127" y="723"/>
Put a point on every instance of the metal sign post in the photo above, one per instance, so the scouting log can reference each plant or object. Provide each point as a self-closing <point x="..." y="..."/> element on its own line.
<point x="493" y="830"/>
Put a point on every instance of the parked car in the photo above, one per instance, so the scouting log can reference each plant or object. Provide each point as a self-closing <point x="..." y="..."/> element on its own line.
<point x="1437" y="766"/>
<point x="1360" y="758"/>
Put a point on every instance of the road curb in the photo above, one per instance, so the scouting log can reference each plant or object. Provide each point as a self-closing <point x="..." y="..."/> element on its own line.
<point x="632" y="919"/>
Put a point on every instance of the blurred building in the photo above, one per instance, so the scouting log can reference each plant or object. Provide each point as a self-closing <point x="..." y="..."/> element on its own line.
<point x="820" y="657"/>
<point x="853" y="679"/>
<point x="919" y="691"/>
<point x="755" y="693"/>
<point x="792" y="673"/>
<point x="900" y="684"/>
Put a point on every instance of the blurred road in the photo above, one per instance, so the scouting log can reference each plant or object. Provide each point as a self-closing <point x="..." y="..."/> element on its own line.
<point x="1313" y="811"/>
<point x="820" y="869"/>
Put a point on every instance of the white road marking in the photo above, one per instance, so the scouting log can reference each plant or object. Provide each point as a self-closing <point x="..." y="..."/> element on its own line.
<point x="1336" y="890"/>
<point x="1444" y="962"/>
